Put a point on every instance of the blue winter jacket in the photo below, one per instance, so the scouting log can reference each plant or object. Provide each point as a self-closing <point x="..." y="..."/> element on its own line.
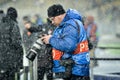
<point x="65" y="38"/>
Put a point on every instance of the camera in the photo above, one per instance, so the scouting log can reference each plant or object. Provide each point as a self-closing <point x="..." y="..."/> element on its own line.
<point x="32" y="53"/>
<point x="38" y="44"/>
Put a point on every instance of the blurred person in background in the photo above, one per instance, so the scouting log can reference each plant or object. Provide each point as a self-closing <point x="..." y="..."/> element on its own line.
<point x="2" y="14"/>
<point x="11" y="51"/>
<point x="70" y="59"/>
<point x="37" y="19"/>
<point x="47" y="27"/>
<point x="28" y="37"/>
<point x="91" y="29"/>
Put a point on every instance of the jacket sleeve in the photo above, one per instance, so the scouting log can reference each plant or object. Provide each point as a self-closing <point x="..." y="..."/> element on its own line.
<point x="67" y="40"/>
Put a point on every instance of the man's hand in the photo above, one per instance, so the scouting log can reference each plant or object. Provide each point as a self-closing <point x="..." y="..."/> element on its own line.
<point x="46" y="38"/>
<point x="28" y="33"/>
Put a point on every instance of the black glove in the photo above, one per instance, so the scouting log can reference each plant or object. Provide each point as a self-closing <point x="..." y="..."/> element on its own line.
<point x="66" y="62"/>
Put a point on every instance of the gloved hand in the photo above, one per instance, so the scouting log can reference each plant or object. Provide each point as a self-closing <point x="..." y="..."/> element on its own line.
<point x="66" y="62"/>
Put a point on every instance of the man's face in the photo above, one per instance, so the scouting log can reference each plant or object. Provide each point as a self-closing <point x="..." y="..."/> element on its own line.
<point x="55" y="20"/>
<point x="27" y="25"/>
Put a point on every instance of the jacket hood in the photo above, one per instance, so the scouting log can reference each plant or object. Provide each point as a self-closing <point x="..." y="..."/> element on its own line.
<point x="72" y="14"/>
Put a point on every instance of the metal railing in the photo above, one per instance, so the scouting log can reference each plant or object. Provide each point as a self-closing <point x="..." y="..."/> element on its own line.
<point x="29" y="69"/>
<point x="104" y="59"/>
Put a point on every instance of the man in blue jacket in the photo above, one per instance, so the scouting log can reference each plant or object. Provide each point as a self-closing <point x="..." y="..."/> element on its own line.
<point x="69" y="41"/>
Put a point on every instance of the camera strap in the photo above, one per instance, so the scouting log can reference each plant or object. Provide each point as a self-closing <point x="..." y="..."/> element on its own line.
<point x="90" y="45"/>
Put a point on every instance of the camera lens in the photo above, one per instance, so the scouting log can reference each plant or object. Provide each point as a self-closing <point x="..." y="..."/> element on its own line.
<point x="34" y="50"/>
<point x="31" y="55"/>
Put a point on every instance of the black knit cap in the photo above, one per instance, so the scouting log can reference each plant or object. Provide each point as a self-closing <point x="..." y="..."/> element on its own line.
<point x="55" y="10"/>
